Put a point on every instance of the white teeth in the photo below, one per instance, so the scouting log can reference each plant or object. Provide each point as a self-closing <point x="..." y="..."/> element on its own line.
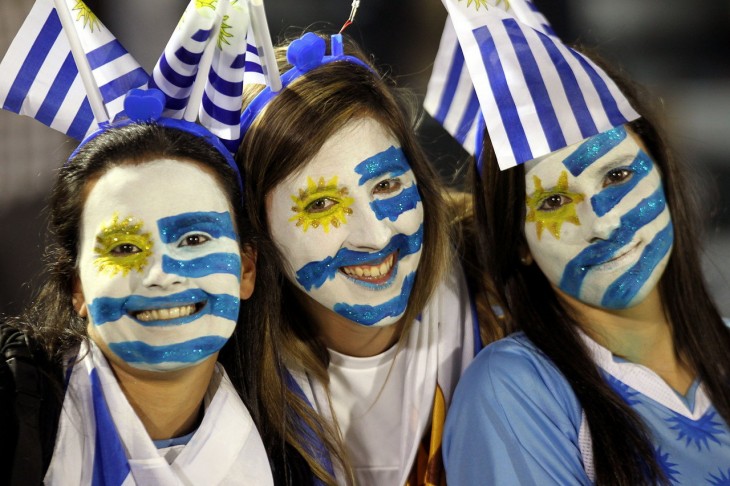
<point x="166" y="314"/>
<point x="371" y="271"/>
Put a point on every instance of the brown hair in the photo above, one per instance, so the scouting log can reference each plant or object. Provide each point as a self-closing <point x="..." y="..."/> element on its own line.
<point x="285" y="136"/>
<point x="622" y="451"/>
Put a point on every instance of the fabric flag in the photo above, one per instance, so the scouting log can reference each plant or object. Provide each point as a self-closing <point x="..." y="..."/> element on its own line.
<point x="39" y="78"/>
<point x="536" y="94"/>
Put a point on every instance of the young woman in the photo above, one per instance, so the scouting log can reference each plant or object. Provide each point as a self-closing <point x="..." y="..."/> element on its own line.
<point x="620" y="374"/>
<point x="149" y="262"/>
<point x="377" y="323"/>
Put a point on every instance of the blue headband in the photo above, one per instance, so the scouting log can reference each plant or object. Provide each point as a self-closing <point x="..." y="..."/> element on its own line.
<point x="305" y="54"/>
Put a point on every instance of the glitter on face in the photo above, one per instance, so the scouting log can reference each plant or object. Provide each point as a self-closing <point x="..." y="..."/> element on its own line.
<point x="593" y="149"/>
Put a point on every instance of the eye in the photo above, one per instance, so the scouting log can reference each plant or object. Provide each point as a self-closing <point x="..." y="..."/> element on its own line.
<point x="553" y="202"/>
<point x="387" y="186"/>
<point x="320" y="205"/>
<point x="125" y="249"/>
<point x="617" y="176"/>
<point x="193" y="240"/>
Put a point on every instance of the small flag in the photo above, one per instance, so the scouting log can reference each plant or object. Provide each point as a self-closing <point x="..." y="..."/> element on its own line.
<point x="39" y="78"/>
<point x="536" y="94"/>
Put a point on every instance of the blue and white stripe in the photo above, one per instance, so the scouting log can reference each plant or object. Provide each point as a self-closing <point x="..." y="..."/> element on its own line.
<point x="39" y="78"/>
<point x="536" y="94"/>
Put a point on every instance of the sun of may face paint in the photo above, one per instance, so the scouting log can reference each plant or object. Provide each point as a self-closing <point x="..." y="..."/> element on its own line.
<point x="350" y="225"/>
<point x="597" y="222"/>
<point x="159" y="264"/>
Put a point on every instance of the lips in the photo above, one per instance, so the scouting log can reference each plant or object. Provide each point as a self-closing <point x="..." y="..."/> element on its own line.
<point x="167" y="313"/>
<point x="377" y="273"/>
<point x="620" y="259"/>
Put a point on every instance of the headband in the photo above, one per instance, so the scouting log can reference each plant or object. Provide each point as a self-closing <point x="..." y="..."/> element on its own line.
<point x="305" y="54"/>
<point x="502" y="68"/>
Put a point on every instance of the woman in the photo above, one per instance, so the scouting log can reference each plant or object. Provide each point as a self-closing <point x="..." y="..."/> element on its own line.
<point x="150" y="260"/>
<point x="377" y="324"/>
<point x="619" y="374"/>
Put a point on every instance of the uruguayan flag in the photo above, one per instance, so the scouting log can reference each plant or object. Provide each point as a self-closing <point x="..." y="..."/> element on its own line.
<point x="235" y="61"/>
<point x="536" y="94"/>
<point x="39" y="78"/>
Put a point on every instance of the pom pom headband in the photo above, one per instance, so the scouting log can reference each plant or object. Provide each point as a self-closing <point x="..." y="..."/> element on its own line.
<point x="305" y="54"/>
<point x="84" y="83"/>
<point x="503" y="68"/>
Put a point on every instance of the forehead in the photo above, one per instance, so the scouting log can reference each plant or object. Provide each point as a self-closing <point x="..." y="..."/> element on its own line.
<point x="154" y="189"/>
<point x="356" y="141"/>
<point x="588" y="158"/>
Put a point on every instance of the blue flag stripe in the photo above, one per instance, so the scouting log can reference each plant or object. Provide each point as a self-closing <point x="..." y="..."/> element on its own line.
<point x="502" y="95"/>
<point x="32" y="63"/>
<point x="457" y="65"/>
<point x="105" y="54"/>
<point x="121" y="85"/>
<point x="225" y="87"/>
<point x="239" y="62"/>
<point x="82" y="121"/>
<point x="227" y="117"/>
<point x="56" y="94"/>
<point x="110" y="460"/>
<point x="467" y="120"/>
<point x="607" y="100"/>
<point x="538" y="91"/>
<point x="172" y="76"/>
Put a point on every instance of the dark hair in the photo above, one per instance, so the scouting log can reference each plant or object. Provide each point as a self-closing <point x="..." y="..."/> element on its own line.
<point x="286" y="136"/>
<point x="622" y="452"/>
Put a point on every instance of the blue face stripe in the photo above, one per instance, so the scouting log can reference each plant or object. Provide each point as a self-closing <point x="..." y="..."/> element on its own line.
<point x="391" y="161"/>
<point x="315" y="274"/>
<point x="111" y="309"/>
<point x="203" y="266"/>
<point x="110" y="459"/>
<point x="368" y="315"/>
<point x="620" y="293"/>
<point x="217" y="225"/>
<point x="577" y="269"/>
<point x="608" y="198"/>
<point x="593" y="149"/>
<point x="188" y="352"/>
<point x="393" y="207"/>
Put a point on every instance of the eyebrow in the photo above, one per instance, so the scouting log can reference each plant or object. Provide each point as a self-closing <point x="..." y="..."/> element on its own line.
<point x="593" y="149"/>
<point x="215" y="224"/>
<point x="391" y="161"/>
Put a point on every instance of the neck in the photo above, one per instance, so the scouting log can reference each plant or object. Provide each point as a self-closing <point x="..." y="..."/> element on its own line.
<point x="167" y="403"/>
<point x="641" y="334"/>
<point x="349" y="338"/>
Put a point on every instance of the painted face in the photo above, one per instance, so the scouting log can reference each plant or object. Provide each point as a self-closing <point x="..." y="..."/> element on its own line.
<point x="597" y="221"/>
<point x="350" y="225"/>
<point x="159" y="264"/>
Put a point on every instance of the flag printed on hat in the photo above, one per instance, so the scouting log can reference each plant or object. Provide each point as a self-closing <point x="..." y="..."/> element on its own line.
<point x="536" y="94"/>
<point x="224" y="27"/>
<point x="40" y="78"/>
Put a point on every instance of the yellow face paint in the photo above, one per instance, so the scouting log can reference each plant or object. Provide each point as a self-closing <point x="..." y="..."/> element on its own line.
<point x="321" y="204"/>
<point x="122" y="246"/>
<point x="552" y="219"/>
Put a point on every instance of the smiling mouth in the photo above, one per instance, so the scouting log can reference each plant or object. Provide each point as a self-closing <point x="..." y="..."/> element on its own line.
<point x="618" y="260"/>
<point x="378" y="273"/>
<point x="168" y="313"/>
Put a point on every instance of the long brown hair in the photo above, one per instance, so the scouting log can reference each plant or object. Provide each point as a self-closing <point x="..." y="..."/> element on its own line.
<point x="284" y="137"/>
<point x="622" y="451"/>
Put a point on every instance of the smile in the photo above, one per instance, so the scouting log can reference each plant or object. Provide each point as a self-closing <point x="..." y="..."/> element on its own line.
<point x="619" y="260"/>
<point x="168" y="313"/>
<point x="377" y="273"/>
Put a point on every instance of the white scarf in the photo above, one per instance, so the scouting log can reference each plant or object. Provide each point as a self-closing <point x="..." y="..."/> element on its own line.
<point x="225" y="449"/>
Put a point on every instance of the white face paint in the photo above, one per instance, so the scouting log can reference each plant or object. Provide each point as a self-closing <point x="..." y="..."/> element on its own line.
<point x="159" y="264"/>
<point x="350" y="225"/>
<point x="597" y="222"/>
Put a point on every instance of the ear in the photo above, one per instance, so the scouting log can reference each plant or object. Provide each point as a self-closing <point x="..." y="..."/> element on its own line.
<point x="77" y="299"/>
<point x="248" y="272"/>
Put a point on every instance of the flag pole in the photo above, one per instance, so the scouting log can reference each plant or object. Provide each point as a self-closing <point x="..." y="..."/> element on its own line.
<point x="82" y="63"/>
<point x="264" y="45"/>
<point x="206" y="61"/>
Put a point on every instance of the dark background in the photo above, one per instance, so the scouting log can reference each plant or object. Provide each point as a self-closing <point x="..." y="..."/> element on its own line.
<point x="679" y="49"/>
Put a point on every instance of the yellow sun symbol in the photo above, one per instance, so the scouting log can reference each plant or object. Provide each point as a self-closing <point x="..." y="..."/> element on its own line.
<point x="113" y="237"/>
<point x="224" y="33"/>
<point x="206" y="4"/>
<point x="321" y="204"/>
<point x="86" y="14"/>
<point x="485" y="3"/>
<point x="552" y="219"/>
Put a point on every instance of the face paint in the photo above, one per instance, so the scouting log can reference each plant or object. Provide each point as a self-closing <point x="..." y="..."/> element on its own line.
<point x="159" y="264"/>
<point x="352" y="240"/>
<point x="609" y="230"/>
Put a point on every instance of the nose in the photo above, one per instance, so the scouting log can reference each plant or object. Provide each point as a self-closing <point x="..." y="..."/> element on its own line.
<point x="156" y="276"/>
<point x="366" y="230"/>
<point x="604" y="226"/>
